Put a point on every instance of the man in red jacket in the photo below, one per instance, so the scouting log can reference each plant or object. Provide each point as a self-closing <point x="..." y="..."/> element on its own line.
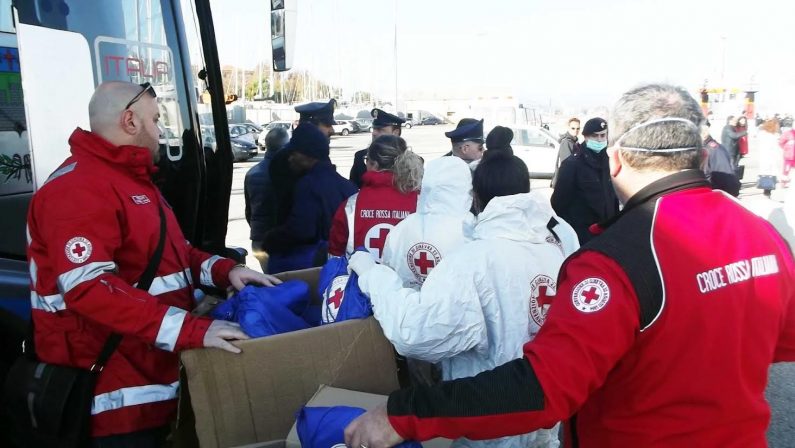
<point x="92" y="229"/>
<point x="662" y="329"/>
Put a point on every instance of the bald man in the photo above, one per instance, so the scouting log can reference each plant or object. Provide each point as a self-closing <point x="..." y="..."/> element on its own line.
<point x="93" y="228"/>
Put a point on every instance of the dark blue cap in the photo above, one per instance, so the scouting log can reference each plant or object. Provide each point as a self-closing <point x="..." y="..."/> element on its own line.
<point x="309" y="140"/>
<point x="594" y="125"/>
<point x="467" y="130"/>
<point x="381" y="119"/>
<point x="317" y="113"/>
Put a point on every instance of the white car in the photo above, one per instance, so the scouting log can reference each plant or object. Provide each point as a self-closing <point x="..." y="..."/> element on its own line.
<point x="286" y="125"/>
<point x="537" y="147"/>
<point x="343" y="127"/>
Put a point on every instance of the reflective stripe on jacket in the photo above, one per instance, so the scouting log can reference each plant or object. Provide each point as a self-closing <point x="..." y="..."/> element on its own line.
<point x="92" y="229"/>
<point x="367" y="217"/>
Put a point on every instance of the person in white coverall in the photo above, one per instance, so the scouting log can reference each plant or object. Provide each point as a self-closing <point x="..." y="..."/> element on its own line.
<point x="480" y="305"/>
<point x="442" y="222"/>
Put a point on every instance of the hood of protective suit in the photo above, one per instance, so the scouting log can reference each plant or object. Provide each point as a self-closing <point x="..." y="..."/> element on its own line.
<point x="446" y="187"/>
<point x="519" y="217"/>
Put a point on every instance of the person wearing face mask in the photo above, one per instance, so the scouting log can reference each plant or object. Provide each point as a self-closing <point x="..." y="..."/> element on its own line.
<point x="662" y="330"/>
<point x="584" y="194"/>
<point x="488" y="297"/>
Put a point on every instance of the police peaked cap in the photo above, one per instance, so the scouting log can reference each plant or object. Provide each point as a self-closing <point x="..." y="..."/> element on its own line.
<point x="467" y="130"/>
<point x="318" y="113"/>
<point x="381" y="119"/>
<point x="593" y="126"/>
<point x="309" y="140"/>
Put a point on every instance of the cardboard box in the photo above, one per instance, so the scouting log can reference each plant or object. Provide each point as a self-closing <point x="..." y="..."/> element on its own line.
<point x="252" y="397"/>
<point x="332" y="396"/>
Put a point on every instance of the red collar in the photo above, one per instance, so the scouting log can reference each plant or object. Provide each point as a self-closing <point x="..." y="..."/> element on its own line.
<point x="378" y="179"/>
<point x="136" y="160"/>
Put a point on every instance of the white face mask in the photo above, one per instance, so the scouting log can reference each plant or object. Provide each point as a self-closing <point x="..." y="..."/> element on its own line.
<point x="650" y="122"/>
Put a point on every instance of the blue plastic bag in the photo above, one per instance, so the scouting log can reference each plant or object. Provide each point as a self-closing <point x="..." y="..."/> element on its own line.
<point x="324" y="427"/>
<point x="265" y="311"/>
<point x="342" y="298"/>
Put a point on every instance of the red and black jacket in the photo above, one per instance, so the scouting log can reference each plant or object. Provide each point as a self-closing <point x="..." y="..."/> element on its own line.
<point x="660" y="335"/>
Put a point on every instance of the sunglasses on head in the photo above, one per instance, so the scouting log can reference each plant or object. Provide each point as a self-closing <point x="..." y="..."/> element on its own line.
<point x="146" y="88"/>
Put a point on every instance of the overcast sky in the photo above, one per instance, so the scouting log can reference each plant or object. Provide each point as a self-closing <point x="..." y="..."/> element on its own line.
<point x="572" y="52"/>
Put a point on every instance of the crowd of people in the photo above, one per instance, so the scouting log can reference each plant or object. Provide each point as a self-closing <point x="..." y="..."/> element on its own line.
<point x="617" y="307"/>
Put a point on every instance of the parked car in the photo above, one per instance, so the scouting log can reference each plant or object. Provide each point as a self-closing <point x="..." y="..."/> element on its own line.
<point x="254" y="129"/>
<point x="538" y="148"/>
<point x="287" y="125"/>
<point x="242" y="132"/>
<point x="410" y="122"/>
<point x="343" y="127"/>
<point x="242" y="150"/>
<point x="431" y="121"/>
<point x="355" y="128"/>
<point x="366" y="124"/>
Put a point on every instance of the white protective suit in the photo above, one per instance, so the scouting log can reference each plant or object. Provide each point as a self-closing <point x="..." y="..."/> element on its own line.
<point x="486" y="299"/>
<point x="442" y="222"/>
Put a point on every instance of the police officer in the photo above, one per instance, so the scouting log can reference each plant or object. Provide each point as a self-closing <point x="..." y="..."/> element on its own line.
<point x="283" y="178"/>
<point x="319" y="114"/>
<point x="300" y="241"/>
<point x="467" y="140"/>
<point x="384" y="123"/>
<point x="583" y="193"/>
<point x="662" y="330"/>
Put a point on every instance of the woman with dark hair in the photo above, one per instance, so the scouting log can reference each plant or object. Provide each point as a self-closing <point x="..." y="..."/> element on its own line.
<point x="388" y="194"/>
<point x="499" y="141"/>
<point x="484" y="301"/>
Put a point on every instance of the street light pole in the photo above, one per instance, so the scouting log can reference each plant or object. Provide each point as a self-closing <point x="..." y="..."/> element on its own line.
<point x="396" y="56"/>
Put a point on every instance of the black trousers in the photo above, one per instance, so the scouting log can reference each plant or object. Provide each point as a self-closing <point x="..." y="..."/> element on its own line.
<point x="148" y="438"/>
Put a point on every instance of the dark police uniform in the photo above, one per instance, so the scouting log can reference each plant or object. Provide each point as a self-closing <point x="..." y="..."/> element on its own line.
<point x="380" y="119"/>
<point x="584" y="193"/>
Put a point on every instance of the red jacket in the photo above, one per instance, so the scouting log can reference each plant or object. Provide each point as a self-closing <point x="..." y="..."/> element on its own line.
<point x="787" y="143"/>
<point x="660" y="335"/>
<point x="367" y="217"/>
<point x="92" y="229"/>
<point x="742" y="142"/>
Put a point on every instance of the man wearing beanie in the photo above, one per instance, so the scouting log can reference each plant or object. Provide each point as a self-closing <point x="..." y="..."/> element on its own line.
<point x="300" y="242"/>
<point x="584" y="194"/>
